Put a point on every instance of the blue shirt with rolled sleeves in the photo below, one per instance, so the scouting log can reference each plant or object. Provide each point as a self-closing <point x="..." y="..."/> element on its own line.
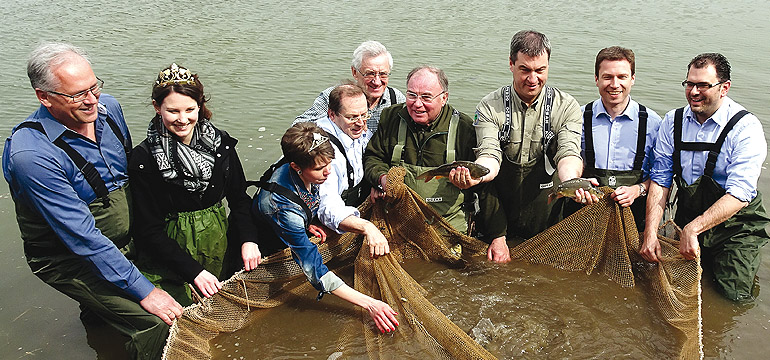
<point x="42" y="176"/>
<point x="615" y="139"/>
<point x="740" y="159"/>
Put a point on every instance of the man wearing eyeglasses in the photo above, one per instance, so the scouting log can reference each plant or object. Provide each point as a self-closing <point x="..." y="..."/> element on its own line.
<point x="66" y="168"/>
<point x="343" y="189"/>
<point x="714" y="150"/>
<point x="422" y="134"/>
<point x="371" y="68"/>
<point x="525" y="131"/>
<point x="619" y="133"/>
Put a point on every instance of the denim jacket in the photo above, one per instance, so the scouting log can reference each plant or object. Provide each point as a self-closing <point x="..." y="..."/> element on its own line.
<point x="288" y="219"/>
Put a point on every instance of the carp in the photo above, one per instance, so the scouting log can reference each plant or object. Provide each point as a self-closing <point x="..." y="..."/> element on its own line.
<point x="568" y="188"/>
<point x="477" y="170"/>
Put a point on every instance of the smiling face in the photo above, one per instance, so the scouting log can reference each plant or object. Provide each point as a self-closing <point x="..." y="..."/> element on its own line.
<point x="375" y="87"/>
<point x="705" y="103"/>
<point x="614" y="82"/>
<point x="351" y="118"/>
<point x="179" y="114"/>
<point x="529" y="75"/>
<point x="74" y="75"/>
<point x="425" y="84"/>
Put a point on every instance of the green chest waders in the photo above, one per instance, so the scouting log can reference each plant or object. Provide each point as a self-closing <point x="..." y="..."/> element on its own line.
<point x="732" y="248"/>
<point x="523" y="187"/>
<point x="616" y="178"/>
<point x="203" y="235"/>
<point x="52" y="262"/>
<point x="441" y="194"/>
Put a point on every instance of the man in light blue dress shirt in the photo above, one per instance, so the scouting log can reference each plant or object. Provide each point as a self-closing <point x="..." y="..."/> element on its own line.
<point x="343" y="190"/>
<point x="66" y="167"/>
<point x="619" y="133"/>
<point x="714" y="150"/>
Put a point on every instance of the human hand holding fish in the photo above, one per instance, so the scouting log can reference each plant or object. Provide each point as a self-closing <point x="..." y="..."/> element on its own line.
<point x="581" y="190"/>
<point x="588" y="196"/>
<point x="463" y="174"/>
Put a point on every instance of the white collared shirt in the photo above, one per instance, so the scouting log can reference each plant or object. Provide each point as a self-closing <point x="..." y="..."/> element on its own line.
<point x="332" y="210"/>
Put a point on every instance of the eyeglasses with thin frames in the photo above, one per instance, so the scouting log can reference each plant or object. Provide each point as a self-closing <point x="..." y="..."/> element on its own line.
<point x="357" y="118"/>
<point x="83" y="95"/>
<point x="702" y="86"/>
<point x="371" y="75"/>
<point x="425" y="98"/>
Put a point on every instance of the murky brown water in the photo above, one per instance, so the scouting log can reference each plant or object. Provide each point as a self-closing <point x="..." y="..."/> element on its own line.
<point x="263" y="62"/>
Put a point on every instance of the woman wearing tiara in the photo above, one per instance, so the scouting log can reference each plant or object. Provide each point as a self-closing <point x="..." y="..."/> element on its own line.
<point x="290" y="202"/>
<point x="180" y="175"/>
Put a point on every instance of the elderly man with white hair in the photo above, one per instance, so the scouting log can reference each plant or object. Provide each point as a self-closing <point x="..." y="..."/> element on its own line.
<point x="371" y="68"/>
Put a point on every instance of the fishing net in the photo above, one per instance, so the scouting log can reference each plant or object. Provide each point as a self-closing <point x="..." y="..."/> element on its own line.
<point x="600" y="238"/>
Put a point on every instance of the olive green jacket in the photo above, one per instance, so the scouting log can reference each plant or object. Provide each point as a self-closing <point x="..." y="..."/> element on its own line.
<point x="426" y="146"/>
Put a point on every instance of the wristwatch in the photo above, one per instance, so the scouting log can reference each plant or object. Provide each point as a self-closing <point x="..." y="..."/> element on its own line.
<point x="642" y="189"/>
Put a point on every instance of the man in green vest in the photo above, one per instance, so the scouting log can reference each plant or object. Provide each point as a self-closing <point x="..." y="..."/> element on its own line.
<point x="714" y="150"/>
<point x="422" y="134"/>
<point x="66" y="168"/>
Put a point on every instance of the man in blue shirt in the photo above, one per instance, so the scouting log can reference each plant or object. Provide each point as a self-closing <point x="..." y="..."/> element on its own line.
<point x="714" y="150"/>
<point x="66" y="168"/>
<point x="619" y="133"/>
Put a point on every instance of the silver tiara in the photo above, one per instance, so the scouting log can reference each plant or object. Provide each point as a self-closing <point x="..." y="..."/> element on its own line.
<point x="318" y="140"/>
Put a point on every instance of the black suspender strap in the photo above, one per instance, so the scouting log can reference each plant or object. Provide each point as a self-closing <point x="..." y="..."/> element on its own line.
<point x="676" y="157"/>
<point x="548" y="135"/>
<point x="711" y="162"/>
<point x="265" y="178"/>
<point x="339" y="146"/>
<point x="641" y="139"/>
<point x="713" y="148"/>
<point x="86" y="168"/>
<point x="505" y="131"/>
<point x="588" y="116"/>
<point x="283" y="191"/>
<point x="116" y="130"/>
<point x="393" y="99"/>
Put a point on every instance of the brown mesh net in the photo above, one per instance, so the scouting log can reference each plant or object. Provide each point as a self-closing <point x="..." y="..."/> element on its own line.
<point x="599" y="238"/>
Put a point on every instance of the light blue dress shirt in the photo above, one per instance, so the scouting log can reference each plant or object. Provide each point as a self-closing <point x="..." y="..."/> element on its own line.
<point x="333" y="209"/>
<point x="615" y="139"/>
<point x="739" y="162"/>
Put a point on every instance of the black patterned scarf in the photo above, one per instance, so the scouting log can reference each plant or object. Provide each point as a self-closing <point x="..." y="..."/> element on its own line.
<point x="189" y="166"/>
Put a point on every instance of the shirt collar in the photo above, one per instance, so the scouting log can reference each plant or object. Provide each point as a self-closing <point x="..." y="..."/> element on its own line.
<point x="54" y="129"/>
<point x="332" y="128"/>
<point x="720" y="117"/>
<point x="519" y="103"/>
<point x="630" y="112"/>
